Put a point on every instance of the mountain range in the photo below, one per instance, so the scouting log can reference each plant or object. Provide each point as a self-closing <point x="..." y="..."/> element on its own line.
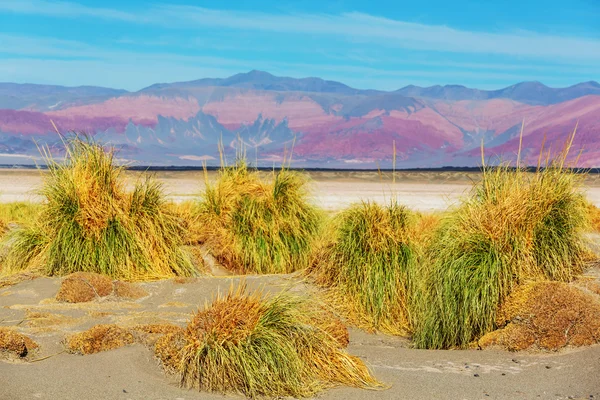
<point x="328" y="124"/>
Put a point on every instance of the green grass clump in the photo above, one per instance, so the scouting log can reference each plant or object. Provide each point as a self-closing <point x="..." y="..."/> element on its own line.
<point x="256" y="226"/>
<point x="261" y="345"/>
<point x="88" y="222"/>
<point x="368" y="259"/>
<point x="515" y="226"/>
<point x="18" y="213"/>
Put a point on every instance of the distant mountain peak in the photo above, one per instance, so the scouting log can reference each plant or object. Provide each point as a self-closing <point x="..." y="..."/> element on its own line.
<point x="262" y="80"/>
<point x="258" y="73"/>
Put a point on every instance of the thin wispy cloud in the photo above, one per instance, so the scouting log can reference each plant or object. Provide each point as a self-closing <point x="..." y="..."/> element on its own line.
<point x="135" y="44"/>
<point x="64" y="9"/>
<point x="402" y="34"/>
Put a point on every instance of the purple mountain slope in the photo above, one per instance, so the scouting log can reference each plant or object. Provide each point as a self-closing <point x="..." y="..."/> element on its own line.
<point x="329" y="124"/>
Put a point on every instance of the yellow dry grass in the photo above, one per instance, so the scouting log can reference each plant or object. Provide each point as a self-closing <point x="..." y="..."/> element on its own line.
<point x="43" y="321"/>
<point x="168" y="349"/>
<point x="149" y="334"/>
<point x="15" y="344"/>
<point x="594" y="217"/>
<point x="128" y="291"/>
<point x="588" y="283"/>
<point x="99" y="338"/>
<point x="548" y="316"/>
<point x="515" y="226"/>
<point x="81" y="287"/>
<point x="261" y="346"/>
<point x="252" y="225"/>
<point x="366" y="259"/>
<point x="18" y="213"/>
<point x="13" y="279"/>
<point x="89" y="222"/>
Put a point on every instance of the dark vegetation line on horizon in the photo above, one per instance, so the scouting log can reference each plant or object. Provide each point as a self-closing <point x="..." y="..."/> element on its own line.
<point x="309" y="169"/>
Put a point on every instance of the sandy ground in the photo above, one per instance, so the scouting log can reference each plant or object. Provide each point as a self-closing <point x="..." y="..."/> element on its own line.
<point x="132" y="372"/>
<point x="423" y="191"/>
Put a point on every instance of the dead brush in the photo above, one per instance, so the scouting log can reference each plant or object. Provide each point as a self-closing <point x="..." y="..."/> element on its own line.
<point x="99" y="338"/>
<point x="256" y="226"/>
<point x="260" y="345"/>
<point x="515" y="226"/>
<point x="89" y="223"/>
<point x="368" y="258"/>
<point x="14" y="344"/>
<point x="548" y="316"/>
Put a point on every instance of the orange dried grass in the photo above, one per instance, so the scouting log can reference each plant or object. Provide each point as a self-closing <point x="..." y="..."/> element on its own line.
<point x="546" y="315"/>
<point x="99" y="338"/>
<point x="130" y="291"/>
<point x="261" y="346"/>
<point x="16" y="344"/>
<point x="84" y="286"/>
<point x="81" y="287"/>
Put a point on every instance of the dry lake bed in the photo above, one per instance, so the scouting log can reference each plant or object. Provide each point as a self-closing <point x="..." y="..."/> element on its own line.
<point x="331" y="190"/>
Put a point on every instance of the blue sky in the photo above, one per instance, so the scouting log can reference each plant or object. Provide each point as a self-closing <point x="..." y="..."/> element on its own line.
<point x="365" y="44"/>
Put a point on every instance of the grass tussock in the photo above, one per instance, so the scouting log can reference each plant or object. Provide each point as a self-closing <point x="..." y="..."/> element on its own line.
<point x="90" y="223"/>
<point x="548" y="316"/>
<point x="18" y="213"/>
<point x="263" y="346"/>
<point x="515" y="226"/>
<point x="368" y="260"/>
<point x="251" y="225"/>
<point x="14" y="344"/>
<point x="99" y="338"/>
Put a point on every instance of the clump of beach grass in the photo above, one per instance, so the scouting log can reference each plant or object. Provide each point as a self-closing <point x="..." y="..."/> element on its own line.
<point x="88" y="222"/>
<point x="251" y="225"/>
<point x="515" y="226"/>
<point x="260" y="345"/>
<point x="368" y="258"/>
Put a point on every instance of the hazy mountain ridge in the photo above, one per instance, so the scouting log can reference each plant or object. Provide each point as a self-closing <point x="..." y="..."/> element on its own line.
<point x="525" y="92"/>
<point x="327" y="122"/>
